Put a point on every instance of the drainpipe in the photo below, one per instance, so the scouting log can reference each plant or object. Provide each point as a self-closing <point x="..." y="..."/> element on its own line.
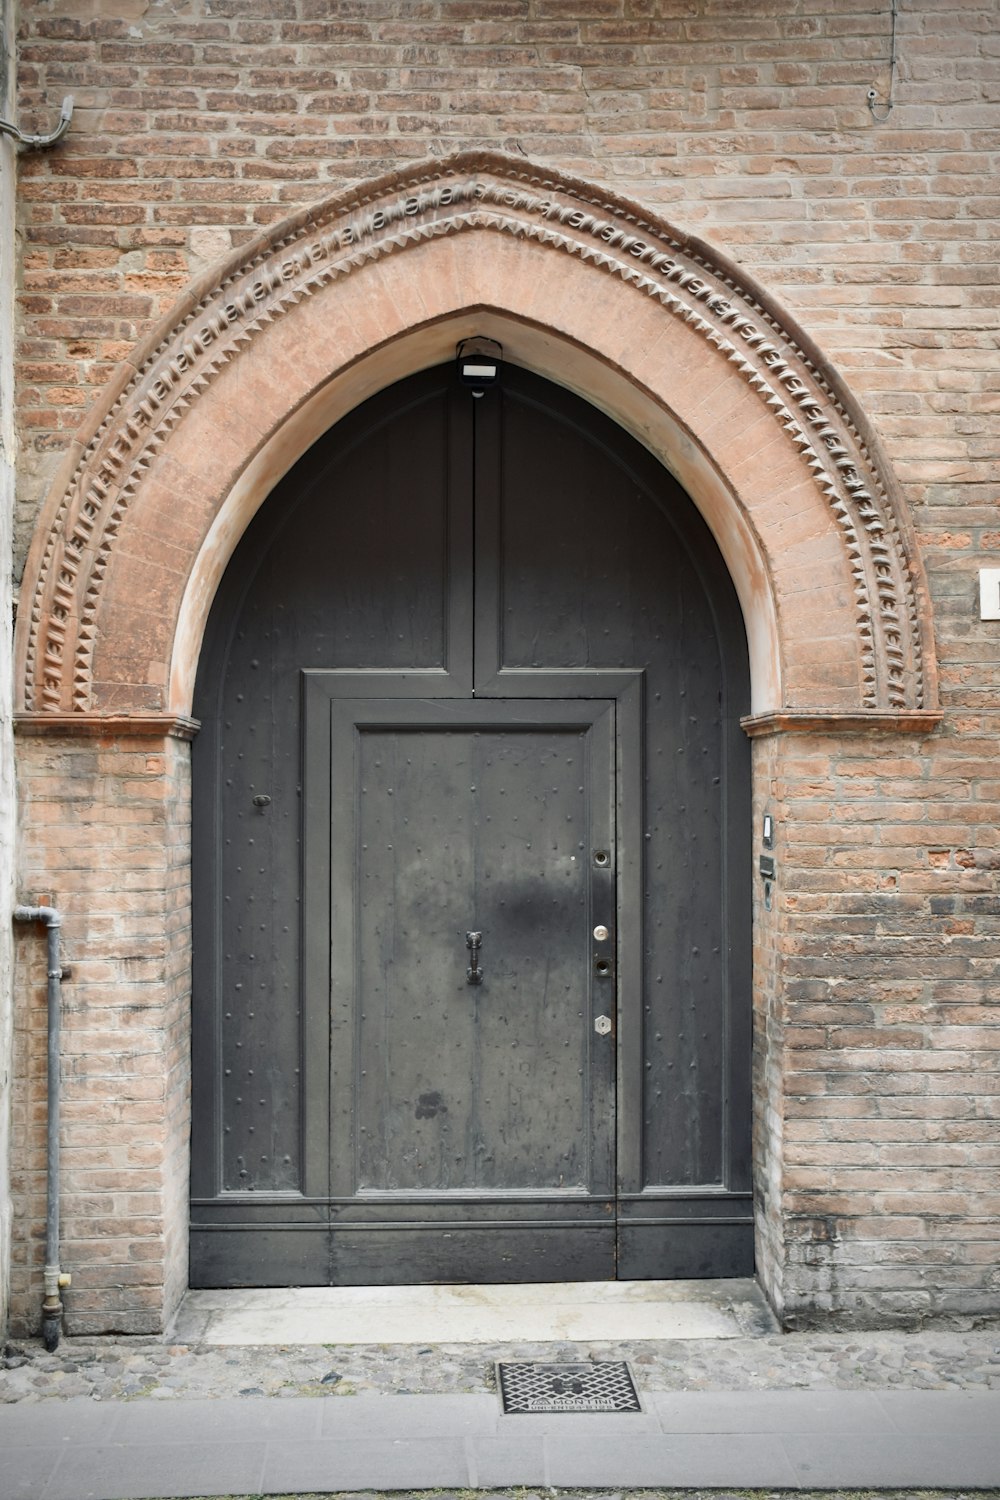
<point x="55" y="1280"/>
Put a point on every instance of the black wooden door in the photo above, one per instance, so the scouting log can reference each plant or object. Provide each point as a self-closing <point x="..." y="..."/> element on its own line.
<point x="472" y="1088"/>
<point x="476" y="668"/>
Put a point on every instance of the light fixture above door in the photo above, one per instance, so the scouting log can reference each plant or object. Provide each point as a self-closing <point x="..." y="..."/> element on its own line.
<point x="479" y="361"/>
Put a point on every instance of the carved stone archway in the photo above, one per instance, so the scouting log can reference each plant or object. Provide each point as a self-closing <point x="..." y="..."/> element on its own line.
<point x="658" y="329"/>
<point x="681" y="347"/>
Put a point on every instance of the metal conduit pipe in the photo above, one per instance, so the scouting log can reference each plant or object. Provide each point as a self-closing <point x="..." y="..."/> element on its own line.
<point x="54" y="1279"/>
<point x="39" y="142"/>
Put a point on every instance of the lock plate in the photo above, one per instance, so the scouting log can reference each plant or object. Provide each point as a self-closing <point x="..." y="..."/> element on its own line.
<point x="602" y="1025"/>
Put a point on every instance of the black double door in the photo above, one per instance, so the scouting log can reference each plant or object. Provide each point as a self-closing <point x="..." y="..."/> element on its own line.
<point x="471" y="863"/>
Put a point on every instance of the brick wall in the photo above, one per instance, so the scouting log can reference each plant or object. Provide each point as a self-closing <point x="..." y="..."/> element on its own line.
<point x="8" y="171"/>
<point x="113" y="855"/>
<point x="883" y="1024"/>
<point x="745" y="121"/>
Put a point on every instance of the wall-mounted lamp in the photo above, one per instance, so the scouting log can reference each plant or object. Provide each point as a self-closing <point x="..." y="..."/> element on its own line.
<point x="479" y="362"/>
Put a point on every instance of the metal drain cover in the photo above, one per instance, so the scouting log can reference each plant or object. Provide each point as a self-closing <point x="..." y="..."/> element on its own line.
<point x="605" y="1386"/>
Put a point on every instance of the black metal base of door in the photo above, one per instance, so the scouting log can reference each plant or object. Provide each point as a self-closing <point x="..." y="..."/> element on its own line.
<point x="404" y="1254"/>
<point x="362" y="1256"/>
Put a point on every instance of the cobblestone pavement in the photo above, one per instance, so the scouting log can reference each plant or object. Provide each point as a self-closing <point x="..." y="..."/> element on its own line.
<point x="120" y="1368"/>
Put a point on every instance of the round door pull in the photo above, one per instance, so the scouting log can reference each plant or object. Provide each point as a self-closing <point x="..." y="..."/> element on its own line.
<point x="601" y="934"/>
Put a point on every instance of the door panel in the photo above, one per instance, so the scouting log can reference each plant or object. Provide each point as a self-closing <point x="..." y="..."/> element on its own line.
<point x="590" y="566"/>
<point x="446" y="594"/>
<point x="446" y="1093"/>
<point x="484" y="830"/>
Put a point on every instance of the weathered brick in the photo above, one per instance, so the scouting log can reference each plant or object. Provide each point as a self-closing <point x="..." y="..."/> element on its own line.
<point x="877" y="969"/>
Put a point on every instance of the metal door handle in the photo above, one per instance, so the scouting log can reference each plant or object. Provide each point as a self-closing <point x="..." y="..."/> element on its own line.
<point x="474" y="941"/>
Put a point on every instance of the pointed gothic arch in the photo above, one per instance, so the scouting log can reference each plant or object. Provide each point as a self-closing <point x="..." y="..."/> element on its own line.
<point x="659" y="329"/>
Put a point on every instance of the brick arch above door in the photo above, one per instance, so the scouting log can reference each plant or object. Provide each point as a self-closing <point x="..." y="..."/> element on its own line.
<point x="659" y="329"/>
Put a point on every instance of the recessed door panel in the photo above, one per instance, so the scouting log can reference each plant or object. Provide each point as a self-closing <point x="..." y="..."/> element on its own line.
<point x="463" y="831"/>
<point x="466" y="1067"/>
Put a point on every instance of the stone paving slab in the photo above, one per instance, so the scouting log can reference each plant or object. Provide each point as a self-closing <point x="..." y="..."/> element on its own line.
<point x="565" y="1424"/>
<point x="390" y="1464"/>
<point x="409" y="1416"/>
<point x="134" y="1471"/>
<point x="186" y="1448"/>
<point x="676" y="1459"/>
<point x="506" y="1460"/>
<point x="204" y="1421"/>
<point x="771" y="1411"/>
<point x="865" y="1460"/>
<point x="950" y="1412"/>
<point x="26" y="1471"/>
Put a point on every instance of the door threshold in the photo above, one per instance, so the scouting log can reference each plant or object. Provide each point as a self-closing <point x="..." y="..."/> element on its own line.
<point x="578" y="1311"/>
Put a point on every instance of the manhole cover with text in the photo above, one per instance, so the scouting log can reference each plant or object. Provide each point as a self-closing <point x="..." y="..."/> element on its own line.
<point x="605" y="1386"/>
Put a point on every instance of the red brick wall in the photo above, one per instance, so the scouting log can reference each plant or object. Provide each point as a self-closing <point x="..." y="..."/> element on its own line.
<point x="882" y="1023"/>
<point x="113" y="856"/>
<point x="7" y="491"/>
<point x="745" y="121"/>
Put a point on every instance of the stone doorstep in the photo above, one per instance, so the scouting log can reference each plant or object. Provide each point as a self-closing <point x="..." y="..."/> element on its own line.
<point x="576" y="1311"/>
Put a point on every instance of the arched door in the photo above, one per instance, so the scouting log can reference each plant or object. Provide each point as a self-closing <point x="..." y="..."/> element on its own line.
<point x="472" y="863"/>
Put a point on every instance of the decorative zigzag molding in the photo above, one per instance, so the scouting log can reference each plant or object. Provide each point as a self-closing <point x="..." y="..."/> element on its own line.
<point x="300" y="258"/>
